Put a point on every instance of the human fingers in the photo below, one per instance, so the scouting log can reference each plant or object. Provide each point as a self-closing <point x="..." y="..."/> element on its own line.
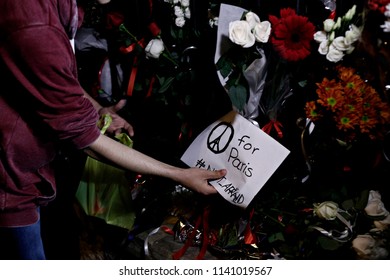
<point x="216" y="174"/>
<point x="198" y="179"/>
<point x="128" y="128"/>
<point x="118" y="106"/>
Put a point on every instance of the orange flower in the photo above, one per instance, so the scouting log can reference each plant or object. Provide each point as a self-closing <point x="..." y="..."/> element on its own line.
<point x="329" y="94"/>
<point x="354" y="106"/>
<point x="346" y="121"/>
<point x="345" y="73"/>
<point x="311" y="111"/>
<point x="384" y="114"/>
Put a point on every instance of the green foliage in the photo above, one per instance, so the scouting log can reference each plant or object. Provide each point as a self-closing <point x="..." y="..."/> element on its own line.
<point x="238" y="95"/>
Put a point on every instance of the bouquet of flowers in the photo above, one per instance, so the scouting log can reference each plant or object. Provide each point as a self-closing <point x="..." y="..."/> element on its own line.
<point x="240" y="61"/>
<point x="257" y="67"/>
<point x="338" y="37"/>
<point x="351" y="106"/>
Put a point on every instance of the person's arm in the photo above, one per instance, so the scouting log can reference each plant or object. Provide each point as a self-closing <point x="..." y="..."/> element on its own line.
<point x="57" y="102"/>
<point x="195" y="179"/>
<point x="95" y="104"/>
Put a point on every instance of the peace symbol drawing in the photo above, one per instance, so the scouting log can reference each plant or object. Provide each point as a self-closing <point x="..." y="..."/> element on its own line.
<point x="220" y="137"/>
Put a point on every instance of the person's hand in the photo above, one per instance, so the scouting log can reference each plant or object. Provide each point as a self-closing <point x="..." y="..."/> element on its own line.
<point x="118" y="124"/>
<point x="197" y="179"/>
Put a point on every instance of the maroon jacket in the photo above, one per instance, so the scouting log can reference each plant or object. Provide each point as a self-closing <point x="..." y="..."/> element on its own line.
<point x="41" y="103"/>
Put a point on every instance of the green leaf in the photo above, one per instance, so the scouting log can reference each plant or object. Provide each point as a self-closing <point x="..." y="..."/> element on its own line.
<point x="165" y="83"/>
<point x="362" y="200"/>
<point x="224" y="65"/>
<point x="232" y="239"/>
<point x="278" y="236"/>
<point x="328" y="244"/>
<point x="238" y="96"/>
<point x="303" y="83"/>
<point x="180" y="34"/>
<point x="173" y="33"/>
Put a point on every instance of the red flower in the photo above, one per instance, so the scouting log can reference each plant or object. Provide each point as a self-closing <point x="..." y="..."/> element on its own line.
<point x="291" y="35"/>
<point x="379" y="5"/>
<point x="154" y="29"/>
<point x="114" y="20"/>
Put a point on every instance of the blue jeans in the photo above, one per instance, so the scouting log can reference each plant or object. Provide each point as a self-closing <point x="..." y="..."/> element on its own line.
<point x="21" y="243"/>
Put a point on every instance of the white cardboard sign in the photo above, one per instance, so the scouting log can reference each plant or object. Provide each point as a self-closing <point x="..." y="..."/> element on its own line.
<point x="249" y="155"/>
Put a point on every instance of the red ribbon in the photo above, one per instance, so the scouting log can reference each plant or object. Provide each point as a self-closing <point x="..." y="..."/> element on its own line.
<point x="205" y="242"/>
<point x="152" y="80"/>
<point x="133" y="74"/>
<point x="249" y="237"/>
<point x="273" y="124"/>
<point x="154" y="30"/>
<point x="332" y="15"/>
<point x="167" y="230"/>
<point x="185" y="126"/>
<point x="202" y="218"/>
<point x="134" y="69"/>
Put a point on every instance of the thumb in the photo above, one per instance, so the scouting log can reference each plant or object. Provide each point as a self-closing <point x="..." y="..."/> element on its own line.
<point x="217" y="174"/>
<point x="119" y="105"/>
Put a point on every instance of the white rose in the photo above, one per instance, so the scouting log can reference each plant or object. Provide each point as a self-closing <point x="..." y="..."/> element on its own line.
<point x="327" y="210"/>
<point x="240" y="33"/>
<point x="375" y="206"/>
<point x="154" y="48"/>
<point x="178" y="11"/>
<point x="187" y="12"/>
<point x="176" y="1"/>
<point x="367" y="248"/>
<point x="252" y="19"/>
<point x="262" y="31"/>
<point x="328" y="25"/>
<point x="383" y="224"/>
<point x="324" y="47"/>
<point x="180" y="21"/>
<point x="213" y="22"/>
<point x="103" y="1"/>
<point x="334" y="55"/>
<point x="363" y="245"/>
<point x="387" y="12"/>
<point x="350" y="49"/>
<point x="185" y="3"/>
<point x="320" y="36"/>
<point x="339" y="43"/>
<point x="386" y="26"/>
<point x="353" y="34"/>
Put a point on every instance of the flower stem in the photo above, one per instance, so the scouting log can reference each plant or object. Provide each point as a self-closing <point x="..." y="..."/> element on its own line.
<point x="275" y="220"/>
<point x="168" y="57"/>
<point x="123" y="28"/>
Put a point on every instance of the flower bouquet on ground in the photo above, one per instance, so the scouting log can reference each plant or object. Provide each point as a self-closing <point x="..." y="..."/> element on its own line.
<point x="239" y="57"/>
<point x="349" y="107"/>
<point x="256" y="59"/>
<point x="291" y="39"/>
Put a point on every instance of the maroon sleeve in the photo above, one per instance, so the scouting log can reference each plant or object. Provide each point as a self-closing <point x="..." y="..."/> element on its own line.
<point x="42" y="60"/>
